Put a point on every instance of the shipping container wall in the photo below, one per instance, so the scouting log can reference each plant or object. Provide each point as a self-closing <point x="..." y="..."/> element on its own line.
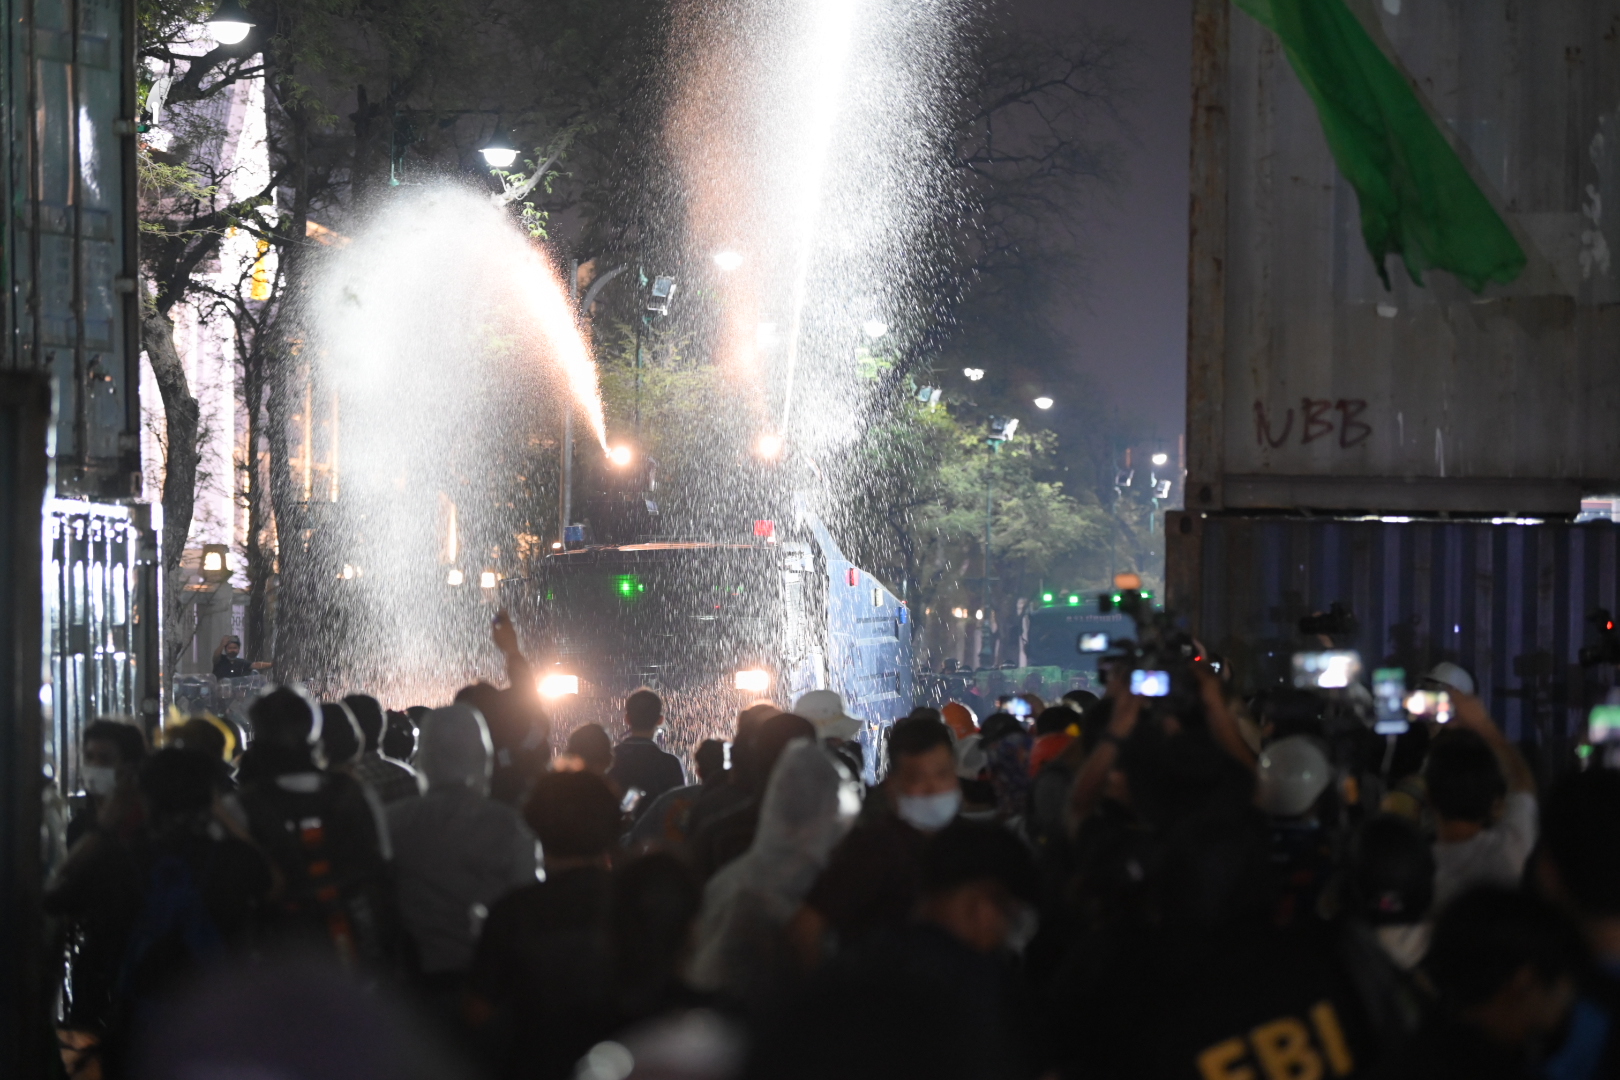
<point x="1511" y="603"/>
<point x="1312" y="385"/>
<point x="69" y="238"/>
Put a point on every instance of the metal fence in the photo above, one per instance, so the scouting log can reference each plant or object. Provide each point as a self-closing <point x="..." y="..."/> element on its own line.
<point x="194" y="694"/>
<point x="101" y="613"/>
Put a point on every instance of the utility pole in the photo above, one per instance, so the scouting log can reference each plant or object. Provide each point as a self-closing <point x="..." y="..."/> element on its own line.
<point x="998" y="431"/>
<point x="641" y="321"/>
<point x="566" y="494"/>
<point x="987" y="650"/>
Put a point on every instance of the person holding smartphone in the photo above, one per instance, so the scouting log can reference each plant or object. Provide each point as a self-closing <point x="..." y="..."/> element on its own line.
<point x="1484" y="799"/>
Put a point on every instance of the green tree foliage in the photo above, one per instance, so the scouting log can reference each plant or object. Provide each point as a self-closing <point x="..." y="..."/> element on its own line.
<point x="919" y="508"/>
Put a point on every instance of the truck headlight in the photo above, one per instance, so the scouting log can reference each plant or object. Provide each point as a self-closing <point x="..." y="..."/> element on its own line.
<point x="558" y="685"/>
<point x="754" y="680"/>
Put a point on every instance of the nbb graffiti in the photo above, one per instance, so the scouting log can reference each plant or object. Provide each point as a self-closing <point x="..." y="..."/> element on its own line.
<point x="1319" y="418"/>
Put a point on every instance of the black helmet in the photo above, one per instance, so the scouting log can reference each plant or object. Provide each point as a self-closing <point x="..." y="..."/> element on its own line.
<point x="285" y="718"/>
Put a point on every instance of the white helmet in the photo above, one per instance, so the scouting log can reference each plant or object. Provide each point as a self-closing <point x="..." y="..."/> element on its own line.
<point x="1293" y="774"/>
<point x="1453" y="676"/>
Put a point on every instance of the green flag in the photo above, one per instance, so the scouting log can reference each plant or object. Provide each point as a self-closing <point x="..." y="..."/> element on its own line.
<point x="1416" y="197"/>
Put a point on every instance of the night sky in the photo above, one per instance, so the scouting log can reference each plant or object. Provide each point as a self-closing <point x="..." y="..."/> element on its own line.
<point x="1128" y="325"/>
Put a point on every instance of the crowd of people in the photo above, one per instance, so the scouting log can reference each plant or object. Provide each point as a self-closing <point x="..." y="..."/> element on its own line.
<point x="1190" y="885"/>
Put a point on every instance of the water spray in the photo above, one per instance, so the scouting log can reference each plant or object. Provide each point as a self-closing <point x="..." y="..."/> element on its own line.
<point x="542" y="291"/>
<point x="825" y="63"/>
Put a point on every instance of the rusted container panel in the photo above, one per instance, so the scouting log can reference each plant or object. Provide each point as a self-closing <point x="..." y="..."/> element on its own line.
<point x="69" y="269"/>
<point x="1510" y="603"/>
<point x="1310" y="385"/>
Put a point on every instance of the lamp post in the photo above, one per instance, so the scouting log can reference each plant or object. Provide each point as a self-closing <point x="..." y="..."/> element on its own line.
<point x="1001" y="430"/>
<point x="566" y="494"/>
<point x="658" y="301"/>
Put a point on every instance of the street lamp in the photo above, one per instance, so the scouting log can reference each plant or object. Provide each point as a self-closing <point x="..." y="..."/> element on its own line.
<point x="875" y="328"/>
<point x="769" y="446"/>
<point x="728" y="260"/>
<point x="230" y="23"/>
<point x="1043" y="403"/>
<point x="1001" y="429"/>
<point x="663" y="291"/>
<point x="499" y="152"/>
<point x="974" y="374"/>
<point x="1161" y="459"/>
<point x="620" y="456"/>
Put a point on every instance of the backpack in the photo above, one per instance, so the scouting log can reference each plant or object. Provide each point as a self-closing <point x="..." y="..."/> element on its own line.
<point x="327" y="888"/>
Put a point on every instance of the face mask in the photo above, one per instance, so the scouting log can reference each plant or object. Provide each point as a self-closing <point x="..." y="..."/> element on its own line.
<point x="99" y="780"/>
<point x="1022" y="925"/>
<point x="929" y="813"/>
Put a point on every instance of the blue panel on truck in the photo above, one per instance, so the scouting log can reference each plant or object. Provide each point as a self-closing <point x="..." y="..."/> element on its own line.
<point x="868" y="638"/>
<point x="1511" y="603"/>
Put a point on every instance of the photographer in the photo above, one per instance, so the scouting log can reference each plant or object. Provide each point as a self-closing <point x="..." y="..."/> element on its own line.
<point x="1484" y="799"/>
<point x="1203" y="711"/>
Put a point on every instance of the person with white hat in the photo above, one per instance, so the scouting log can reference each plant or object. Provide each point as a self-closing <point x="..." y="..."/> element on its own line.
<point x="1452" y="677"/>
<point x="825" y="709"/>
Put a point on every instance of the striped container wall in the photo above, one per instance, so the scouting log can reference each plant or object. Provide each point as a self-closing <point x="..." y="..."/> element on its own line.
<point x="1511" y="603"/>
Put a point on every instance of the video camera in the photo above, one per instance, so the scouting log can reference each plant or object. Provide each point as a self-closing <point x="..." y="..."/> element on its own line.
<point x="1607" y="650"/>
<point x="1160" y="659"/>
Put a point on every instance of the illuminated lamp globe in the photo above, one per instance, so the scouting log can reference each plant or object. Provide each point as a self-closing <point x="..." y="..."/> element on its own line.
<point x="1161" y="459"/>
<point x="728" y="260"/>
<point x="1043" y="402"/>
<point x="230" y="23"/>
<point x="499" y="153"/>
<point x="875" y="328"/>
<point x="620" y="456"/>
<point x="769" y="446"/>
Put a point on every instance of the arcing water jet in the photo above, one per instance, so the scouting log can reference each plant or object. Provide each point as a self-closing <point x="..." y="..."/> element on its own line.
<point x="445" y="354"/>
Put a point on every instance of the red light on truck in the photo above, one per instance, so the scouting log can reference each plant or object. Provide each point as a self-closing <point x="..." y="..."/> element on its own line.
<point x="852" y="576"/>
<point x="764" y="529"/>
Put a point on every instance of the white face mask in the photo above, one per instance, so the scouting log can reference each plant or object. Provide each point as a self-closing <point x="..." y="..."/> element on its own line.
<point x="929" y="813"/>
<point x="99" y="780"/>
<point x="1022" y="926"/>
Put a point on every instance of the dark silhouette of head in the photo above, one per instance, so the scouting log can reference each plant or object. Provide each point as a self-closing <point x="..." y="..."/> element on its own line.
<point x="643" y="711"/>
<point x="369" y="712"/>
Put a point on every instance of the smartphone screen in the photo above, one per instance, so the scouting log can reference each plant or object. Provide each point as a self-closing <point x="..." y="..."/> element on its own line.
<point x="1603" y="725"/>
<point x="1093" y="643"/>
<point x="1333" y="669"/>
<point x="1150" y="683"/>
<point x="1389" y="701"/>
<point x="1430" y="704"/>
